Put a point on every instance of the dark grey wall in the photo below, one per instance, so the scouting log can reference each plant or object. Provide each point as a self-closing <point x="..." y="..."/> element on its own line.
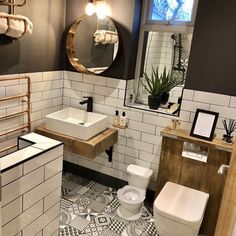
<point x="212" y="66"/>
<point x="126" y="14"/>
<point x="42" y="50"/>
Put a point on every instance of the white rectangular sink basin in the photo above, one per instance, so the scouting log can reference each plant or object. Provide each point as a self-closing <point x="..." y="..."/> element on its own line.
<point x="76" y="123"/>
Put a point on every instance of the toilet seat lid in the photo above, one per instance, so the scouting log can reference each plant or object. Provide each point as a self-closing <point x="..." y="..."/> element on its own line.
<point x="182" y="204"/>
<point x="131" y="195"/>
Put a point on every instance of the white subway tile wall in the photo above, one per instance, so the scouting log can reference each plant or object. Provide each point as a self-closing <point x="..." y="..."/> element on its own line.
<point x="46" y="97"/>
<point x="141" y="142"/>
<point x="31" y="199"/>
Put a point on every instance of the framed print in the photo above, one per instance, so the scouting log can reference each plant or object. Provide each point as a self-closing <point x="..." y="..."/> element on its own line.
<point x="204" y="124"/>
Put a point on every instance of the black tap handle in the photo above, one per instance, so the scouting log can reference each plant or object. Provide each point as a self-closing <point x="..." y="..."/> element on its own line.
<point x="89" y="97"/>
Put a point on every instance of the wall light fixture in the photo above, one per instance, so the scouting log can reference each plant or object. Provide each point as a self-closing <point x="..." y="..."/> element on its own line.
<point x="99" y="7"/>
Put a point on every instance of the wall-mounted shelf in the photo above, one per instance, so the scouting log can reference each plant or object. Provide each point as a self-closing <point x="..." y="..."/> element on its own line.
<point x="184" y="136"/>
<point x="91" y="148"/>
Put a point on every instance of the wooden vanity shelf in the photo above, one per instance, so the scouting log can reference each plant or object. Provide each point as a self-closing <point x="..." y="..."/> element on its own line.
<point x="195" y="174"/>
<point x="91" y="148"/>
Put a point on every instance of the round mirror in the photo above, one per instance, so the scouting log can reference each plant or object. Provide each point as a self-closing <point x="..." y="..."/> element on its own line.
<point x="92" y="44"/>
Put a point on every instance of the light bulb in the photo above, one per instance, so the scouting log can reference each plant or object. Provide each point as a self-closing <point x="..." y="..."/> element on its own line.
<point x="107" y="10"/>
<point x="90" y="9"/>
<point x="100" y="10"/>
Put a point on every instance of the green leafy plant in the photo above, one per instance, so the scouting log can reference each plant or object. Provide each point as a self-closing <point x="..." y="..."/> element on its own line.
<point x="160" y="83"/>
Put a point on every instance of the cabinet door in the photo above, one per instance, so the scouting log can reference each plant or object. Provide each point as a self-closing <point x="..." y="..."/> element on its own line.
<point x="194" y="174"/>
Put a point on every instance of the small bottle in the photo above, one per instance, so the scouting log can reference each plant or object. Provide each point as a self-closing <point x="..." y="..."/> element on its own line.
<point x="123" y="120"/>
<point x="116" y="119"/>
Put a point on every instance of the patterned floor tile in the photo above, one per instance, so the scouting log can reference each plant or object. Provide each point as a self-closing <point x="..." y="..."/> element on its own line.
<point x="88" y="183"/>
<point x="79" y="223"/>
<point x="75" y="209"/>
<point x="92" y="194"/>
<point x="112" y="206"/>
<point x="139" y="222"/>
<point x="132" y="230"/>
<point x="67" y="187"/>
<point x="88" y="214"/>
<point x="108" y="232"/>
<point x="102" y="220"/>
<point x="93" y="229"/>
<point x="66" y="217"/>
<point x="110" y="192"/>
<point x="83" y="201"/>
<point x="97" y="206"/>
<point x="117" y="226"/>
<point x="65" y="204"/>
<point x="103" y="199"/>
<point x="151" y="229"/>
<point x="99" y="188"/>
<point x="145" y="214"/>
<point x="68" y="231"/>
<point x="76" y="193"/>
<point x="90" y="209"/>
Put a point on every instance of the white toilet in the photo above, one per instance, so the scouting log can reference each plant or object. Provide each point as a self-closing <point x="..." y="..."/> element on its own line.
<point x="179" y="211"/>
<point x="131" y="196"/>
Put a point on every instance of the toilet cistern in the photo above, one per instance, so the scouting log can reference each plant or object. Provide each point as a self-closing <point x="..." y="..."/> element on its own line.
<point x="89" y="102"/>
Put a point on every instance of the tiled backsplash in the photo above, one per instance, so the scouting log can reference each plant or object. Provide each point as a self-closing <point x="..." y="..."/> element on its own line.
<point x="141" y="142"/>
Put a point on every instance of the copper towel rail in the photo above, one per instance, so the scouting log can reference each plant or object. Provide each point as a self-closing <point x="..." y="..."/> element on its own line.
<point x="26" y="125"/>
<point x="8" y="148"/>
<point x="12" y="4"/>
<point x="13" y="97"/>
<point x="14" y="130"/>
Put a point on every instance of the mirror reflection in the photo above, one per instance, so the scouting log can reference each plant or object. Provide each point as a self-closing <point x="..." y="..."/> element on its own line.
<point x="164" y="52"/>
<point x="92" y="44"/>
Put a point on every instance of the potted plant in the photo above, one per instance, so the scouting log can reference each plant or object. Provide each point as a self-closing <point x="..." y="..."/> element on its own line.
<point x="159" y="86"/>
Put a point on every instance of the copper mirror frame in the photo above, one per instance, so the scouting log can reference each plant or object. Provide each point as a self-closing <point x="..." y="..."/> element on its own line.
<point x="71" y="49"/>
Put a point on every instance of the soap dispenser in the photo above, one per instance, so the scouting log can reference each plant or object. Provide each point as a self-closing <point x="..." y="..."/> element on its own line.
<point x="123" y="120"/>
<point x="116" y="119"/>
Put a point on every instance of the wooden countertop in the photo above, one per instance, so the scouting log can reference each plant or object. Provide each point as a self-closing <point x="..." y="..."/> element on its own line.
<point x="184" y="135"/>
<point x="86" y="148"/>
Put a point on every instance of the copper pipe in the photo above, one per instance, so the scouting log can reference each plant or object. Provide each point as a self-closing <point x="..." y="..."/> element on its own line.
<point x="13" y="114"/>
<point x="13" y="97"/>
<point x="13" y="4"/>
<point x="13" y="78"/>
<point x="24" y="126"/>
<point x="29" y="103"/>
<point x="8" y="148"/>
<point x="14" y="130"/>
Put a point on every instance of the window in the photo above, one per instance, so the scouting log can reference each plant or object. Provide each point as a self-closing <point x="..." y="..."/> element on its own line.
<point x="164" y="42"/>
<point x="171" y="11"/>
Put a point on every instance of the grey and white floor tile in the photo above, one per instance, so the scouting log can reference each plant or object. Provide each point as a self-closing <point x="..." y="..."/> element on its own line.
<point x="80" y="223"/>
<point x="90" y="209"/>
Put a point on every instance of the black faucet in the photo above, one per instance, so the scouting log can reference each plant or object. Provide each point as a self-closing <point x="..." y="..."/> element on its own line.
<point x="89" y="102"/>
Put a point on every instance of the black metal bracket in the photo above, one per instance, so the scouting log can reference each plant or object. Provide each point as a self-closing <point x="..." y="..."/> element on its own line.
<point x="109" y="152"/>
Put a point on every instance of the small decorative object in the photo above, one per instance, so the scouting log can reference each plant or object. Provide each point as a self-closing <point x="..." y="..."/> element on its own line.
<point x="204" y="124"/>
<point x="175" y="124"/>
<point x="123" y="121"/>
<point x="116" y="119"/>
<point x="159" y="86"/>
<point x="229" y="128"/>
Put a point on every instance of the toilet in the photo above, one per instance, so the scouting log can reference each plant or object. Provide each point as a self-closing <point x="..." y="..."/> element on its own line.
<point x="131" y="196"/>
<point x="179" y="211"/>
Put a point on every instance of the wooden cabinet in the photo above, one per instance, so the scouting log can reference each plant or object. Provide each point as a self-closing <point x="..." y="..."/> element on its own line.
<point x="195" y="174"/>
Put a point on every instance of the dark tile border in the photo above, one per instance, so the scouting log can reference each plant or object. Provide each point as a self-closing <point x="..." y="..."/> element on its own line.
<point x="30" y="157"/>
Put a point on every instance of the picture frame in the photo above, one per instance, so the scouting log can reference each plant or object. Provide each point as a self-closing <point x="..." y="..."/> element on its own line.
<point x="204" y="124"/>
